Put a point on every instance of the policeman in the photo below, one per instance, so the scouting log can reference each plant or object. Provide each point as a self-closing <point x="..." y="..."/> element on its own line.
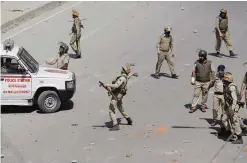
<point x="62" y="59"/>
<point x="76" y="34"/>
<point x="231" y="119"/>
<point x="222" y="32"/>
<point x="119" y="89"/>
<point x="218" y="98"/>
<point x="201" y="76"/>
<point x="165" y="52"/>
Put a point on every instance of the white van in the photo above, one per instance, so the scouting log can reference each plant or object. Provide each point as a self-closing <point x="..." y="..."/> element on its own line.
<point x="25" y="83"/>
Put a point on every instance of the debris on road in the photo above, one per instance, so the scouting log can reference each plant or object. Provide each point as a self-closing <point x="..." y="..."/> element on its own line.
<point x="74" y="124"/>
<point x="182" y="8"/>
<point x="74" y="161"/>
<point x="245" y="150"/>
<point x="2" y="156"/>
<point x="171" y="153"/>
<point x="186" y="141"/>
<point x="15" y="10"/>
<point x="128" y="155"/>
<point x="111" y="138"/>
<point x="195" y="31"/>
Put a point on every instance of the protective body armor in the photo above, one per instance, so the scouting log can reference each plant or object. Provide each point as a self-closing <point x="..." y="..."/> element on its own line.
<point x="122" y="89"/>
<point x="228" y="96"/>
<point x="223" y="24"/>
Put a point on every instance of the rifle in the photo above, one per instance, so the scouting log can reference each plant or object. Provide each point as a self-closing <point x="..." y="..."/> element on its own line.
<point x="109" y="90"/>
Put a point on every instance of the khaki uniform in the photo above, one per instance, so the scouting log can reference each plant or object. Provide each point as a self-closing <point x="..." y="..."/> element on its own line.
<point x="76" y="35"/>
<point x="245" y="82"/>
<point x="222" y="24"/>
<point x="202" y="81"/>
<point x="231" y="119"/>
<point x="165" y="45"/>
<point x="62" y="62"/>
<point x="218" y="98"/>
<point x="120" y="86"/>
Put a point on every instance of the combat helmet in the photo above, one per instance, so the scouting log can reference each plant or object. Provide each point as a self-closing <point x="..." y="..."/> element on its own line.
<point x="167" y="29"/>
<point x="64" y="46"/>
<point x="75" y="12"/>
<point x="228" y="77"/>
<point x="202" y="53"/>
<point x="223" y="11"/>
<point x="126" y="69"/>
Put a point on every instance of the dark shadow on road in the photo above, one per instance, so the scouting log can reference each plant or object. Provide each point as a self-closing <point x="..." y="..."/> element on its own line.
<point x="162" y="75"/>
<point x="198" y="107"/>
<point x="109" y="124"/>
<point x="29" y="109"/>
<point x="210" y="120"/>
<point x="223" y="55"/>
<point x="73" y="56"/>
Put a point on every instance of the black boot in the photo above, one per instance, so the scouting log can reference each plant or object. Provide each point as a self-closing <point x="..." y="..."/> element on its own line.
<point x="78" y="54"/>
<point x="224" y="133"/>
<point x="239" y="140"/>
<point x="129" y="120"/>
<point x="115" y="128"/>
<point x="214" y="123"/>
<point x="244" y="131"/>
<point x="174" y="76"/>
<point x="218" y="54"/>
<point x="232" y="54"/>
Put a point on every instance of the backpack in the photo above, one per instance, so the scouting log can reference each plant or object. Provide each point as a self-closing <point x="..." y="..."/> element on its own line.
<point x="238" y="92"/>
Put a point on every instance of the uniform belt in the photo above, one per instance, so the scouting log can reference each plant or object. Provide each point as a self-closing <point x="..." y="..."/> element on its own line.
<point x="218" y="93"/>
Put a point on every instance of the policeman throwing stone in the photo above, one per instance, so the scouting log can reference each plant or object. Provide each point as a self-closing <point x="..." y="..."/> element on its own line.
<point x="118" y="88"/>
<point x="222" y="33"/>
<point x="165" y="52"/>
<point x="62" y="59"/>
<point x="202" y="74"/>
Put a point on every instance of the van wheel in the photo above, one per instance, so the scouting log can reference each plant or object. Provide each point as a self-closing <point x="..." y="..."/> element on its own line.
<point x="49" y="102"/>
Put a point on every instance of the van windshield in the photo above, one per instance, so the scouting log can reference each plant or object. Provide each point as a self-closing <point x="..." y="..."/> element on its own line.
<point x="28" y="60"/>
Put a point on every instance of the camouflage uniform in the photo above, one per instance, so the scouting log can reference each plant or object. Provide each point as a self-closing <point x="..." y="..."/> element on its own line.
<point x="119" y="89"/>
<point x="76" y="34"/>
<point x="231" y="119"/>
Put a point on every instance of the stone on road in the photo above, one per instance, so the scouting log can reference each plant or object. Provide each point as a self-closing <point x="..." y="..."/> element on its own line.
<point x="116" y="33"/>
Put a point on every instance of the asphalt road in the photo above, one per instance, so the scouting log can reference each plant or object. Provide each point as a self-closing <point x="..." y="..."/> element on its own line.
<point x="116" y="33"/>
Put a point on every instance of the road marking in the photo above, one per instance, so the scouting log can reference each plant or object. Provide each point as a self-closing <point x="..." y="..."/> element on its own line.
<point x="24" y="29"/>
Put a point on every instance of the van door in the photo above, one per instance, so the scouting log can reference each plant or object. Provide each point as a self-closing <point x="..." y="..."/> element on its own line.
<point x="16" y="83"/>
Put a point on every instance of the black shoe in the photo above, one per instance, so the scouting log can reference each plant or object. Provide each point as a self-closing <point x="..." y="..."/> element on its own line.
<point x="239" y="140"/>
<point x="174" y="76"/>
<point x="115" y="128"/>
<point x="218" y="54"/>
<point x="232" y="54"/>
<point x="157" y="75"/>
<point x="129" y="120"/>
<point x="214" y="123"/>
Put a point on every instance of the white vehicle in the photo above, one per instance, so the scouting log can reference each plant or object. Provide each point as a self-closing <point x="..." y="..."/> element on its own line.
<point x="25" y="83"/>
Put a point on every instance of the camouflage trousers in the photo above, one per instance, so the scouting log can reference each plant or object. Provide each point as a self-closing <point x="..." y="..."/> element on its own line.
<point x="75" y="43"/>
<point x="232" y="122"/>
<point x="114" y="105"/>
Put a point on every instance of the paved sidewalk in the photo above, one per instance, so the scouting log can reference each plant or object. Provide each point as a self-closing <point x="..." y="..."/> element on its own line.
<point x="16" y="13"/>
<point x="12" y="10"/>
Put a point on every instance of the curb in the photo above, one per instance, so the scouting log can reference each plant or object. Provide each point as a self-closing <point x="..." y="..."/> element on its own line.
<point x="30" y="15"/>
